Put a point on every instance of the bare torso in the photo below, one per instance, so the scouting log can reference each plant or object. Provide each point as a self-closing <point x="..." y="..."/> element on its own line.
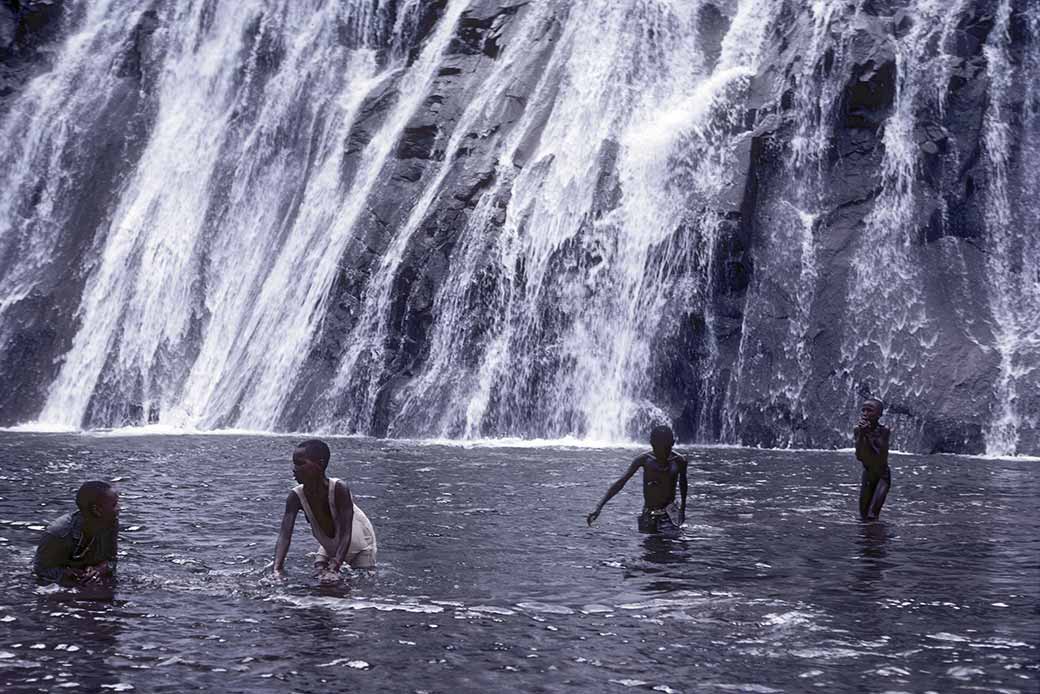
<point x="660" y="479"/>
<point x="319" y="503"/>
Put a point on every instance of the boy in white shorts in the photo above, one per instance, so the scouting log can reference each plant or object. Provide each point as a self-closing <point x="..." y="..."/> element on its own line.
<point x="343" y="531"/>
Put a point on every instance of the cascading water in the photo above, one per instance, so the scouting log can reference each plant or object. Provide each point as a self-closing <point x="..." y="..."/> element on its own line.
<point x="889" y="333"/>
<point x="1013" y="260"/>
<point x="586" y="369"/>
<point x="470" y="219"/>
<point x="42" y="151"/>
<point x="364" y="361"/>
<point x="247" y="359"/>
<point x="796" y="215"/>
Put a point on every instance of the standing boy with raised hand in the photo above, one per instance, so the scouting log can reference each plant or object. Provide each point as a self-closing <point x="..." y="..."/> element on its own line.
<point x="872" y="439"/>
<point x="343" y="531"/>
<point x="80" y="547"/>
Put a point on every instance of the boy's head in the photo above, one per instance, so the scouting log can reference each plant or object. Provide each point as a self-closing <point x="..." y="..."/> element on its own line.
<point x="98" y="502"/>
<point x="310" y="459"/>
<point x="662" y="439"/>
<point x="872" y="409"/>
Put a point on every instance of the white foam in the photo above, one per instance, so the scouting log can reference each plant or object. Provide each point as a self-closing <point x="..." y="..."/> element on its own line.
<point x="946" y="636"/>
<point x="355" y="664"/>
<point x="544" y="608"/>
<point x="793" y="618"/>
<point x="516" y="442"/>
<point x="565" y="442"/>
<point x="41" y="428"/>
<point x="488" y="609"/>
<point x="825" y="653"/>
<point x="341" y="604"/>
<point x="963" y="672"/>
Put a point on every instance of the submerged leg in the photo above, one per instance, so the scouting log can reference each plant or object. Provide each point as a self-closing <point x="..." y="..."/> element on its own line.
<point x="667" y="527"/>
<point x="647" y="523"/>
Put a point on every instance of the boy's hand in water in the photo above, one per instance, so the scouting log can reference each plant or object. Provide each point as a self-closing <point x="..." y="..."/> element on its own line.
<point x="72" y="574"/>
<point x="592" y="517"/>
<point x="328" y="576"/>
<point x="93" y="573"/>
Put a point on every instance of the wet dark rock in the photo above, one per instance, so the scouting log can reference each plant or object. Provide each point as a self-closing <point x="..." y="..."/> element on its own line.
<point x="421" y="24"/>
<point x="8" y="27"/>
<point x="26" y="358"/>
<point x="472" y="186"/>
<point x="974" y="28"/>
<point x="417" y="142"/>
<point x="28" y="31"/>
<point x="480" y="29"/>
<point x="138" y="47"/>
<point x="712" y="25"/>
<point x="870" y="94"/>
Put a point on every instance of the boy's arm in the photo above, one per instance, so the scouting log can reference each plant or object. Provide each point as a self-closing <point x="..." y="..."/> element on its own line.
<point x="615" y="488"/>
<point x="107" y="566"/>
<point x="344" y="519"/>
<point x="292" y="507"/>
<point x="884" y="437"/>
<point x="866" y="443"/>
<point x="51" y="562"/>
<point x="684" y="487"/>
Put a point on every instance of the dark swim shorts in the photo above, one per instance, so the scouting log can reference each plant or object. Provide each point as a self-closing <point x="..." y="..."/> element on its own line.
<point x="659" y="521"/>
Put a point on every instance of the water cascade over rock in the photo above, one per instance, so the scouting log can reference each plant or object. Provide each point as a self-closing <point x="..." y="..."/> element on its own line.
<point x="467" y="218"/>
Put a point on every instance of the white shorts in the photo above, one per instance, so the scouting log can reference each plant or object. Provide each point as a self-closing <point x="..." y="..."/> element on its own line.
<point x="362" y="551"/>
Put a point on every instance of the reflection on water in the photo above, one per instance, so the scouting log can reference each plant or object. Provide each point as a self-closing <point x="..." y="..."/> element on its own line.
<point x="490" y="580"/>
<point x="869" y="573"/>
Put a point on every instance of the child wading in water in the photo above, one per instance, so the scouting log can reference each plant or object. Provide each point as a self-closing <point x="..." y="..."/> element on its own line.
<point x="343" y="531"/>
<point x="872" y="441"/>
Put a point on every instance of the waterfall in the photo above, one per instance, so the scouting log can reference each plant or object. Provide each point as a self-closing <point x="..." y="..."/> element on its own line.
<point x="890" y="331"/>
<point x="162" y="248"/>
<point x="40" y="132"/>
<point x="142" y="287"/>
<point x="364" y="360"/>
<point x="1013" y="262"/>
<point x="587" y="368"/>
<point x="796" y="215"/>
<point x="471" y="219"/>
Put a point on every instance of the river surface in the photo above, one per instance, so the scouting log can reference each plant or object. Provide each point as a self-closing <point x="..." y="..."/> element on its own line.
<point x="490" y="580"/>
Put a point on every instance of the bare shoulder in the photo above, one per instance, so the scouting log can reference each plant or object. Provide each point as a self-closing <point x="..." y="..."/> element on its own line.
<point x="683" y="462"/>
<point x="342" y="491"/>
<point x="292" y="502"/>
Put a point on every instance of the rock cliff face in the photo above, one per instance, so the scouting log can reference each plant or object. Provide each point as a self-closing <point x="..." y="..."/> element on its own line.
<point x="539" y="219"/>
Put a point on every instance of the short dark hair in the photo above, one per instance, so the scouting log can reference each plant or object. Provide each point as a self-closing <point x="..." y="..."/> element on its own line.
<point x="91" y="493"/>
<point x="662" y="434"/>
<point x="316" y="449"/>
<point x="880" y="404"/>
